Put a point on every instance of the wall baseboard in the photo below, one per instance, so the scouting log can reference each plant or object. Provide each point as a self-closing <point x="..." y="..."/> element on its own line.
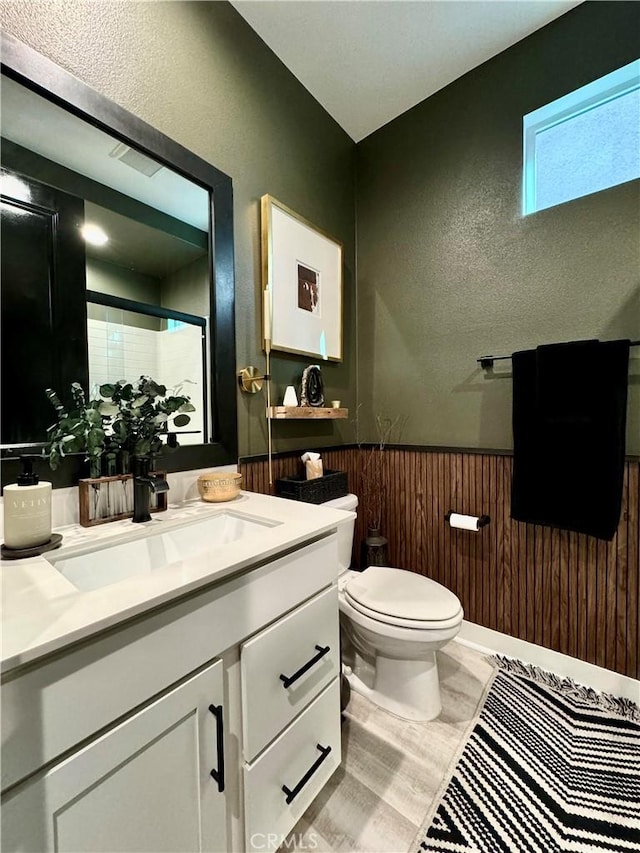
<point x="604" y="680"/>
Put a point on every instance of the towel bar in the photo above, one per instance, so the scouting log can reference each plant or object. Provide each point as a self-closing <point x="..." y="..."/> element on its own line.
<point x="486" y="361"/>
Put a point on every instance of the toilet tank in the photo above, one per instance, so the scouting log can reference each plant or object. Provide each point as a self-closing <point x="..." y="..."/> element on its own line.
<point x="346" y="529"/>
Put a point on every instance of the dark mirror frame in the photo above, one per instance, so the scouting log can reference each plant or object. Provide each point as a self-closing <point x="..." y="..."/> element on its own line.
<point x="38" y="73"/>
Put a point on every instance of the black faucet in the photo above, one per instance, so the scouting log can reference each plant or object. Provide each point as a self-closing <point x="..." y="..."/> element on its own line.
<point x="143" y="484"/>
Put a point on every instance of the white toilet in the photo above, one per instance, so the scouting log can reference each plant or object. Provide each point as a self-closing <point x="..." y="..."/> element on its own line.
<point x="393" y="621"/>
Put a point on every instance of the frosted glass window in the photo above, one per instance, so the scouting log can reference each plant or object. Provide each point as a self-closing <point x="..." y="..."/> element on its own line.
<point x="584" y="142"/>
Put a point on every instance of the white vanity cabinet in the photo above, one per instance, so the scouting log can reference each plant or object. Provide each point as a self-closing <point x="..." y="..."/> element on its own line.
<point x="163" y="733"/>
<point x="146" y="784"/>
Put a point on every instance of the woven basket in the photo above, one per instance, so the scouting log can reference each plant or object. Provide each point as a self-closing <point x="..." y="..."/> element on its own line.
<point x="333" y="484"/>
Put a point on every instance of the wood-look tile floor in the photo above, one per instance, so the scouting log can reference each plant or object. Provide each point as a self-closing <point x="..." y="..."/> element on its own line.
<point x="392" y="769"/>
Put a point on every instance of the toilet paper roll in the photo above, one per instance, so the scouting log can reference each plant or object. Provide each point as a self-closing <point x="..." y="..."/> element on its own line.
<point x="464" y="522"/>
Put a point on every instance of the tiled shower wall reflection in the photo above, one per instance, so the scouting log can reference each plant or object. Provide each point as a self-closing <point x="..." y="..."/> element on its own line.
<point x="118" y="351"/>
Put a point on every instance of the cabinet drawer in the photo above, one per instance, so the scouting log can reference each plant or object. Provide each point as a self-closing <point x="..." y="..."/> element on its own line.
<point x="302" y="759"/>
<point x="285" y="666"/>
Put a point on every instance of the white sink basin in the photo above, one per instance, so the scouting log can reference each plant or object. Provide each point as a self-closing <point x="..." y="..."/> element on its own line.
<point x="155" y="551"/>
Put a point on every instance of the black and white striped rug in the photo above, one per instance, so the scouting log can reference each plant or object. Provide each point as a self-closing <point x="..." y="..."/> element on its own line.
<point x="549" y="766"/>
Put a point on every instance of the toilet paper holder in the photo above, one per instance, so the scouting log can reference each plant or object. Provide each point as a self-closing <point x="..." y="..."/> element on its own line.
<point x="483" y="520"/>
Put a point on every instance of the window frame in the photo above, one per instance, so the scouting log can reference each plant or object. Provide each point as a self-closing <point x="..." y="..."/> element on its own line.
<point x="607" y="88"/>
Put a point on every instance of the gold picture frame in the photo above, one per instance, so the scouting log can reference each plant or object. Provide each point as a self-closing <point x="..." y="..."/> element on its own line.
<point x="303" y="282"/>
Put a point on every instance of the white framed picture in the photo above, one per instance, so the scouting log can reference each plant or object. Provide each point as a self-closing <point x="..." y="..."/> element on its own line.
<point x="302" y="267"/>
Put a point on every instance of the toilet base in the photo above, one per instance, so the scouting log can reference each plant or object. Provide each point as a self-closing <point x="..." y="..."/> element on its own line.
<point x="410" y="689"/>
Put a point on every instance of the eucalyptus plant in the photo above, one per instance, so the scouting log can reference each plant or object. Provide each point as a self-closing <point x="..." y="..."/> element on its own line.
<point x="139" y="414"/>
<point x="127" y="418"/>
<point x="80" y="429"/>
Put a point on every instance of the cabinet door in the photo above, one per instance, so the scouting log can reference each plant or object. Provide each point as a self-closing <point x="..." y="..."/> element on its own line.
<point x="146" y="785"/>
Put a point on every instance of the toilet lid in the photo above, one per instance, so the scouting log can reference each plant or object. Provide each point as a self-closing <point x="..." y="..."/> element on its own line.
<point x="400" y="594"/>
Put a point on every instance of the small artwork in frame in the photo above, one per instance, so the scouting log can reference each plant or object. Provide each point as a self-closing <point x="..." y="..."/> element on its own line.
<point x="308" y="289"/>
<point x="302" y="266"/>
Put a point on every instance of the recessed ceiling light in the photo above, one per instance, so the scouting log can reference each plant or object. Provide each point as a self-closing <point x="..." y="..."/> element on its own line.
<point x="94" y="234"/>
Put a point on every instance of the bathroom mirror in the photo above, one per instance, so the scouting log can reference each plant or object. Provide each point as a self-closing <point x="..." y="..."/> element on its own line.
<point x="149" y="290"/>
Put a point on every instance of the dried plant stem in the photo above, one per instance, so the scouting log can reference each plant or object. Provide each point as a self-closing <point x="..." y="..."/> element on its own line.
<point x="372" y="474"/>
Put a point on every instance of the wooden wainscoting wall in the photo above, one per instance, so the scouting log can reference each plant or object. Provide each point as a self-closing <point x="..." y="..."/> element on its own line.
<point x="566" y="591"/>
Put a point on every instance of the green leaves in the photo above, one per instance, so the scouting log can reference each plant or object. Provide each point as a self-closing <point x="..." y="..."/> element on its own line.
<point x="78" y="430"/>
<point x="127" y="417"/>
<point x="95" y="440"/>
<point x="53" y="398"/>
<point x="150" y="388"/>
<point x="107" y="409"/>
<point x="78" y="394"/>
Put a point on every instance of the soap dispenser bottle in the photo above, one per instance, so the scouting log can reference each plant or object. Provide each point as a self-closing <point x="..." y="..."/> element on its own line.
<point x="27" y="510"/>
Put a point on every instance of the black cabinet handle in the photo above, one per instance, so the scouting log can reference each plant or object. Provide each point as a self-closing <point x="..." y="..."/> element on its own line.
<point x="218" y="774"/>
<point x="292" y="794"/>
<point x="287" y="680"/>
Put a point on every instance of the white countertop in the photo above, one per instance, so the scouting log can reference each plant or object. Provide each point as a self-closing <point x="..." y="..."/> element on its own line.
<point x="42" y="612"/>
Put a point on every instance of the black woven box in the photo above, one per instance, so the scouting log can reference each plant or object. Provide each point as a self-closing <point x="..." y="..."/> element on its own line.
<point x="332" y="485"/>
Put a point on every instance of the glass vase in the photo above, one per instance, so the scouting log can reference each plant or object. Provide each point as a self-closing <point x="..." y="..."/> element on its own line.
<point x="373" y="551"/>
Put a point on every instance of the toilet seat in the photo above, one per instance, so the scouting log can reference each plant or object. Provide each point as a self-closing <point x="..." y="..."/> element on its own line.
<point x="414" y="624"/>
<point x="399" y="597"/>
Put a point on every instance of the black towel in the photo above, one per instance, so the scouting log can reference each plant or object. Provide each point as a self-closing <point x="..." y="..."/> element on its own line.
<point x="569" y="420"/>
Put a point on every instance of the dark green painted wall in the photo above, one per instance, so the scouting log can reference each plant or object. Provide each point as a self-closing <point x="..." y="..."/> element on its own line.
<point x="198" y="72"/>
<point x="448" y="269"/>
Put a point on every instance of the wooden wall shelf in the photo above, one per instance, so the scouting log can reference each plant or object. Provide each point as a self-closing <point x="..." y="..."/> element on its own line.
<point x="280" y="413"/>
